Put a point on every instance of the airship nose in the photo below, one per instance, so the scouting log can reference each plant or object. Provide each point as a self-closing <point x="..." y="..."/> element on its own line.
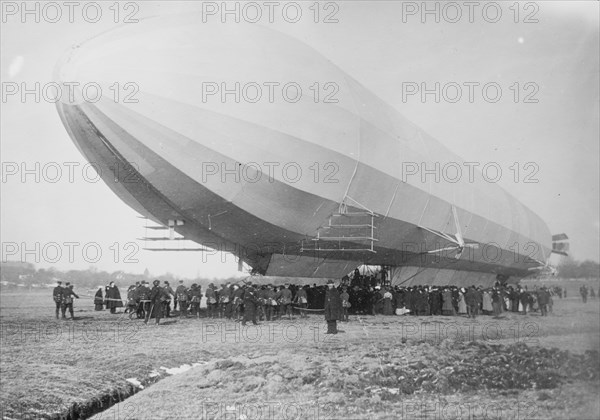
<point x="74" y="79"/>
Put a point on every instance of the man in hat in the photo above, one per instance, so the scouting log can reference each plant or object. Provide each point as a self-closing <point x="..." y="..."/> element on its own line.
<point x="472" y="302"/>
<point x="57" y="294"/>
<point x="285" y="300"/>
<point x="195" y="295"/>
<point x="67" y="300"/>
<point x="345" y="297"/>
<point x="98" y="300"/>
<point x="302" y="301"/>
<point x="143" y="300"/>
<point x="261" y="294"/>
<point x="333" y="306"/>
<point x="131" y="300"/>
<point x="156" y="307"/>
<point x="250" y="301"/>
<point x="271" y="303"/>
<point x="543" y="299"/>
<point x="224" y="301"/>
<point x="169" y="292"/>
<point x="182" y="297"/>
<point x="237" y="295"/>
<point x="212" y="300"/>
<point x="113" y="298"/>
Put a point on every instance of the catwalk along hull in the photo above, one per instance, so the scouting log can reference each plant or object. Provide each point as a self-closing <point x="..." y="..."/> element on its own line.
<point x="262" y="147"/>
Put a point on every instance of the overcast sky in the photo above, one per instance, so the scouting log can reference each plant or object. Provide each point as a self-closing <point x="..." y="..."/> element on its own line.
<point x="381" y="44"/>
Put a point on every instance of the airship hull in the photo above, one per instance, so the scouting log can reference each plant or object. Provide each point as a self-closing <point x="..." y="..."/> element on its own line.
<point x="270" y="180"/>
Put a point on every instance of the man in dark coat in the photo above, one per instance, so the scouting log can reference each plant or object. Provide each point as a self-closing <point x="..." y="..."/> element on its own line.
<point x="250" y="300"/>
<point x="333" y="307"/>
<point x="98" y="300"/>
<point x="113" y="298"/>
<point x="436" y="302"/>
<point x="57" y="295"/>
<point x="212" y="301"/>
<point x="169" y="291"/>
<point x="195" y="296"/>
<point x="156" y="306"/>
<point x="543" y="300"/>
<point x="67" y="300"/>
<point x="526" y="300"/>
<point x="472" y="301"/>
<point x="182" y="297"/>
<point x="584" y="293"/>
<point x="143" y="300"/>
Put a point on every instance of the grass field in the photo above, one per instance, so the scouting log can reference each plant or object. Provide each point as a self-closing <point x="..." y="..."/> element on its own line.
<point x="380" y="367"/>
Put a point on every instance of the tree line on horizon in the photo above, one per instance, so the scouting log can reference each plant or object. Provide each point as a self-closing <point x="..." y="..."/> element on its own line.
<point x="26" y="274"/>
<point x="13" y="273"/>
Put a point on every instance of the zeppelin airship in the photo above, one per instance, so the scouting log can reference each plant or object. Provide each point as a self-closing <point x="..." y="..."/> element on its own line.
<point x="246" y="140"/>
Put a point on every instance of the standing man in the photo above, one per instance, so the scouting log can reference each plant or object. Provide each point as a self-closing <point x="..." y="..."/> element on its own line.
<point x="143" y="300"/>
<point x="250" y="301"/>
<point x="195" y="295"/>
<point x="98" y="300"/>
<point x="333" y="307"/>
<point x="302" y="299"/>
<point x="345" y="297"/>
<point x="211" y="301"/>
<point x="224" y="305"/>
<point x="155" y="302"/>
<point x="543" y="297"/>
<point x="237" y="296"/>
<point x="67" y="300"/>
<point x="169" y="290"/>
<point x="113" y="298"/>
<point x="496" y="302"/>
<point x="182" y="297"/>
<point x="57" y="295"/>
<point x="285" y="299"/>
<point x="584" y="293"/>
<point x="472" y="301"/>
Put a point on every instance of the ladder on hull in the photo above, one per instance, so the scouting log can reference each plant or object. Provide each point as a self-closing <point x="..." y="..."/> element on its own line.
<point x="347" y="231"/>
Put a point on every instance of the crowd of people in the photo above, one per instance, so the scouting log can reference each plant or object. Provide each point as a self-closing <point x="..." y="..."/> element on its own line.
<point x="358" y="295"/>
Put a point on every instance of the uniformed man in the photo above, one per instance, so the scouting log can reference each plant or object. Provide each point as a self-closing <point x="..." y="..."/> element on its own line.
<point x="169" y="290"/>
<point x="224" y="301"/>
<point x="583" y="290"/>
<point x="182" y="297"/>
<point x="262" y="302"/>
<point x="250" y="301"/>
<point x="194" y="297"/>
<point x="143" y="300"/>
<point x="212" y="301"/>
<point x="132" y="303"/>
<point x="285" y="301"/>
<point x="472" y="302"/>
<point x="237" y="296"/>
<point x="271" y="304"/>
<point x="302" y="301"/>
<point x="57" y="295"/>
<point x="67" y="300"/>
<point x="345" y="297"/>
<point x="333" y="307"/>
<point x="543" y="298"/>
<point x="156" y="307"/>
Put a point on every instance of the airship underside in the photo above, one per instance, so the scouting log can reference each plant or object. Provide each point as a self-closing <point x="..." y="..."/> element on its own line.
<point x="219" y="145"/>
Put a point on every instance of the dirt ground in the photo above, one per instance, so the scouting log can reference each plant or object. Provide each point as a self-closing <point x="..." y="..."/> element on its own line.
<point x="513" y="367"/>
